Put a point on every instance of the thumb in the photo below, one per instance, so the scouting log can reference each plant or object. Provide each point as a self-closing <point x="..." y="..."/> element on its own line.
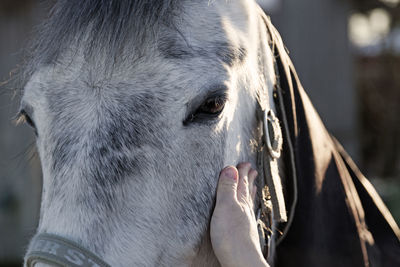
<point x="227" y="185"/>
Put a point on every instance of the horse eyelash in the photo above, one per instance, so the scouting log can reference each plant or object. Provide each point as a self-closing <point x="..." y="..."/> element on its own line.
<point x="23" y="117"/>
<point x="20" y="118"/>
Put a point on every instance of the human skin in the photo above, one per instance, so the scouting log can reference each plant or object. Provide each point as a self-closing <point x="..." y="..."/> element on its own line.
<point x="234" y="234"/>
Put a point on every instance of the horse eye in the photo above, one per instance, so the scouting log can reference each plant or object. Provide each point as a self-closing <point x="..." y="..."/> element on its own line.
<point x="208" y="110"/>
<point x="212" y="106"/>
<point x="23" y="117"/>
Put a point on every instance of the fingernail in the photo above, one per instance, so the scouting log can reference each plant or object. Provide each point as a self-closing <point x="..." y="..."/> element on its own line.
<point x="230" y="173"/>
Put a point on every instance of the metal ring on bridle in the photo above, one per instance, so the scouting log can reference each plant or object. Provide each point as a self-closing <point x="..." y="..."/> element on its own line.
<point x="271" y="126"/>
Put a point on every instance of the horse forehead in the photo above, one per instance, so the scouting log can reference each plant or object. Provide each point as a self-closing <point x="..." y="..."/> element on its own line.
<point x="176" y="79"/>
<point x="64" y="81"/>
<point x="215" y="34"/>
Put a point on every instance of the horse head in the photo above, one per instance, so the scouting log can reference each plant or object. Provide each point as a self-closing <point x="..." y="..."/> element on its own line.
<point x="137" y="105"/>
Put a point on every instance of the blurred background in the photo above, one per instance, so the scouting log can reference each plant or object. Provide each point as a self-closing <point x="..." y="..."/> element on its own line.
<point x="347" y="54"/>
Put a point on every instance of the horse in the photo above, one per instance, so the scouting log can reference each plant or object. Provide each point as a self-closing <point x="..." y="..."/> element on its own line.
<point x="138" y="104"/>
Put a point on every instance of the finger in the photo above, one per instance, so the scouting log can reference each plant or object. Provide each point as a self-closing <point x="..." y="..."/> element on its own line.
<point x="252" y="187"/>
<point x="252" y="176"/>
<point x="227" y="185"/>
<point x="243" y="184"/>
<point x="253" y="193"/>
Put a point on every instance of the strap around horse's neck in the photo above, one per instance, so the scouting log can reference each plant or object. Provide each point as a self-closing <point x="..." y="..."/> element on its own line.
<point x="59" y="251"/>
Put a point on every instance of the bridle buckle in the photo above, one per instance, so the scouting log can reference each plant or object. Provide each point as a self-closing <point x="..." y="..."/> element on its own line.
<point x="273" y="134"/>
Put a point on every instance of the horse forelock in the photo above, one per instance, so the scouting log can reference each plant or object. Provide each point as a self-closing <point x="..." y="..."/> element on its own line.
<point x="98" y="26"/>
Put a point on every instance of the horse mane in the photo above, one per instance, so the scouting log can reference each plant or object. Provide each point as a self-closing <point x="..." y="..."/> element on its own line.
<point x="98" y="24"/>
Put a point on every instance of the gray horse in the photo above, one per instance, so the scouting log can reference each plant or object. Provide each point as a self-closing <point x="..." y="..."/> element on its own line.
<point x="137" y="105"/>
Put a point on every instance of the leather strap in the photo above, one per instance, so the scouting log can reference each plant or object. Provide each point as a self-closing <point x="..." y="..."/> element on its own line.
<point x="273" y="141"/>
<point x="271" y="202"/>
<point x="59" y="251"/>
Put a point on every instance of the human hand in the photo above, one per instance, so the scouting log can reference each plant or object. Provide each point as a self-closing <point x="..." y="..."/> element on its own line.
<point x="234" y="234"/>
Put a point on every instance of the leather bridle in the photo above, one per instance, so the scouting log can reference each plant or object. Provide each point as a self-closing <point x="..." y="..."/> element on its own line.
<point x="59" y="251"/>
<point x="272" y="209"/>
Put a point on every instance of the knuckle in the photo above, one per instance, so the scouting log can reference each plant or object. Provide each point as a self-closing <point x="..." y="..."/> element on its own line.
<point x="253" y="173"/>
<point x="224" y="185"/>
<point x="244" y="165"/>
